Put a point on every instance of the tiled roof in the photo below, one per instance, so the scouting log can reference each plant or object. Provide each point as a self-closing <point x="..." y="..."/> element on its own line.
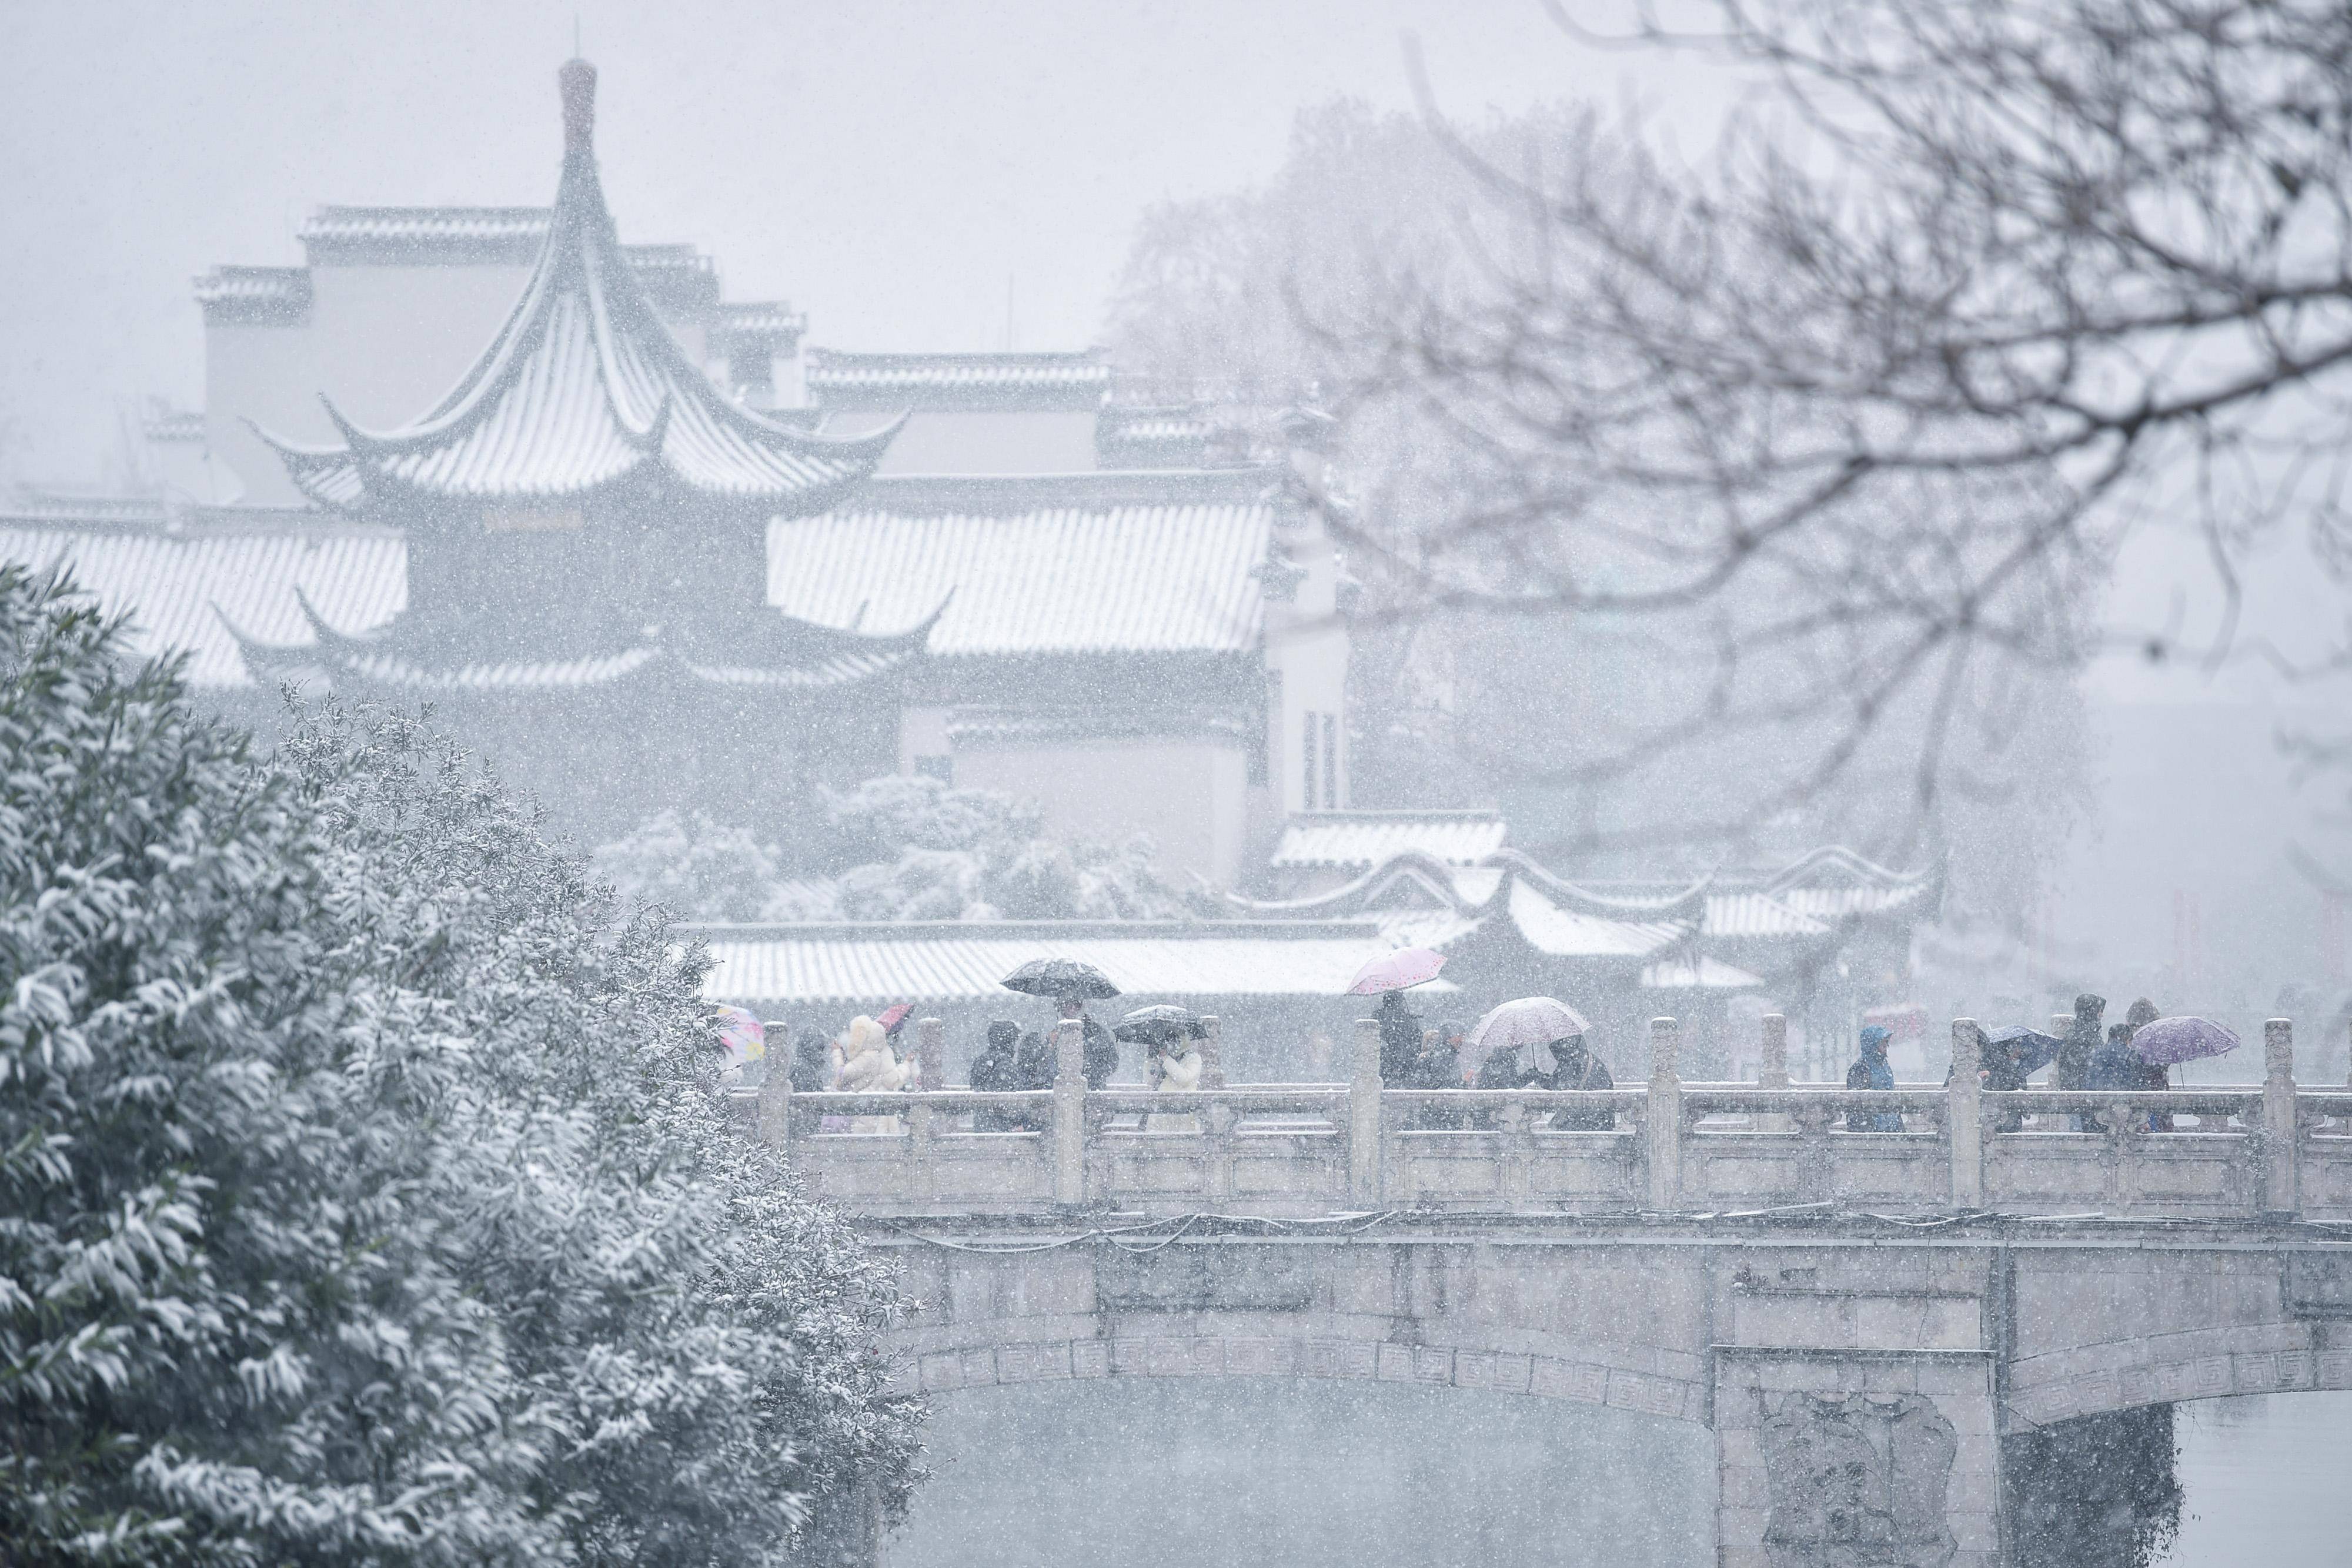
<point x="170" y="583"/>
<point x="1154" y="563"/>
<point x="964" y="960"/>
<point x="1707" y="975"/>
<point x="762" y="318"/>
<point x="581" y="388"/>
<point x="163" y="424"/>
<point x="1362" y="838"/>
<point x="1127" y="436"/>
<point x="254" y="296"/>
<point x="1064" y="380"/>
<point x="339" y="234"/>
<point x="1736" y="914"/>
<point x="1571" y="933"/>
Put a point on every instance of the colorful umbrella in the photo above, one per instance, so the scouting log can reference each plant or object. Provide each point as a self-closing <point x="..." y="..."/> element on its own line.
<point x="2168" y="1042"/>
<point x="1064" y="979"/>
<point x="740" y="1034"/>
<point x="890" y="1018"/>
<point x="1395" y="971"/>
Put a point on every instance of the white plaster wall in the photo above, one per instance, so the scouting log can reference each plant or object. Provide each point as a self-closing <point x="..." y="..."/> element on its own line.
<point x="385" y="342"/>
<point x="1188" y="795"/>
<point x="980" y="440"/>
<point x="1307" y="644"/>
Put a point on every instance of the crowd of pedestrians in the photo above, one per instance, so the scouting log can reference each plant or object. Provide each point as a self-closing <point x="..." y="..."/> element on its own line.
<point x="866" y="1058"/>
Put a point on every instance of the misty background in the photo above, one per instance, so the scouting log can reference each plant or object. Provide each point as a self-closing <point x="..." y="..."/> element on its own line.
<point x="960" y="176"/>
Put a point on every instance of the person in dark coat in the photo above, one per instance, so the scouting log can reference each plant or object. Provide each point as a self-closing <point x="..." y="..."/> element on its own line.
<point x="1436" y="1067"/>
<point x="2003" y="1070"/>
<point x="1871" y="1071"/>
<point x="1033" y="1063"/>
<point x="997" y="1071"/>
<point x="1579" y="1068"/>
<point x="2116" y="1066"/>
<point x="1101" y="1051"/>
<point x="811" y="1067"/>
<point x="2152" y="1075"/>
<point x="2083" y="1037"/>
<point x="1400" y="1040"/>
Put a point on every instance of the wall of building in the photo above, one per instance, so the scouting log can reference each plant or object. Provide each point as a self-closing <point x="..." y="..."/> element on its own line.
<point x="1188" y="795"/>
<point x="980" y="440"/>
<point x="385" y="342"/>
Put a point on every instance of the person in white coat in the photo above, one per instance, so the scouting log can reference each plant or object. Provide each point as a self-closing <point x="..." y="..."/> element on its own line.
<point x="1174" y="1068"/>
<point x="868" y="1066"/>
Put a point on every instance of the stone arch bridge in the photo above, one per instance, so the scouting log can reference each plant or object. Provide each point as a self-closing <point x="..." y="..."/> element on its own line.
<point x="1859" y="1317"/>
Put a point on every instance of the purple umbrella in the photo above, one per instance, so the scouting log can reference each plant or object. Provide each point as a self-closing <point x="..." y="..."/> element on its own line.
<point x="2171" y="1041"/>
<point x="1395" y="971"/>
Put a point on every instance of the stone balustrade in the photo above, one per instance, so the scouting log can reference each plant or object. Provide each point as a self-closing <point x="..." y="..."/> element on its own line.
<point x="1282" y="1150"/>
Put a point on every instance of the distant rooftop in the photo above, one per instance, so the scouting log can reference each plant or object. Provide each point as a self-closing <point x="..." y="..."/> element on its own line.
<point x="939" y="961"/>
<point x="1042" y="382"/>
<point x="1360" y="839"/>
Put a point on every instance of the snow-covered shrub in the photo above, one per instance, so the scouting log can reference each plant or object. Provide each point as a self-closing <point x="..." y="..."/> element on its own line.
<point x="367" y="1193"/>
<point x="693" y="867"/>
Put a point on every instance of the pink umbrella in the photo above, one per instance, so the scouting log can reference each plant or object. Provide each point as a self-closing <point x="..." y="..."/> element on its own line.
<point x="2168" y="1042"/>
<point x="1395" y="971"/>
<point x="741" y="1033"/>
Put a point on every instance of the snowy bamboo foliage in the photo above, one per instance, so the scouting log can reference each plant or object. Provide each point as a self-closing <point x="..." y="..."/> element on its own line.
<point x="366" y="1192"/>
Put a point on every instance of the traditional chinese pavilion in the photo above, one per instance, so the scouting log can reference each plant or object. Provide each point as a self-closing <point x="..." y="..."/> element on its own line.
<point x="586" y="521"/>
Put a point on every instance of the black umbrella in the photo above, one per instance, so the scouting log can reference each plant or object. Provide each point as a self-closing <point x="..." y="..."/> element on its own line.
<point x="1064" y="979"/>
<point x="2035" y="1051"/>
<point x="1160" y="1022"/>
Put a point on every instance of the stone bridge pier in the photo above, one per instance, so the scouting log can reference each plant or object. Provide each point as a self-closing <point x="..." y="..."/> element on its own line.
<point x="1858" y="1377"/>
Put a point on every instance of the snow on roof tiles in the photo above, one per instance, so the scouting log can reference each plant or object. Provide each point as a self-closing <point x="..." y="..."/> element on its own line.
<point x="1570" y="933"/>
<point x="357" y="578"/>
<point x="1732" y="915"/>
<point x="1345" y="838"/>
<point x="1035" y="567"/>
<point x="781" y="965"/>
<point x="1042" y="381"/>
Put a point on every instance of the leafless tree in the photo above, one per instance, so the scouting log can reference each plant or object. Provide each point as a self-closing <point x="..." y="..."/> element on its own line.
<point x="1856" y="413"/>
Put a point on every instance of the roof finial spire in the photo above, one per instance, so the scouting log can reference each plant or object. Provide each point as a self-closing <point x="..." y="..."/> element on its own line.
<point x="577" y="80"/>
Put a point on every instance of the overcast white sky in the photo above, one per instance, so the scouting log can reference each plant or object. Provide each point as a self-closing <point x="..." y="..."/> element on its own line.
<point x="888" y="165"/>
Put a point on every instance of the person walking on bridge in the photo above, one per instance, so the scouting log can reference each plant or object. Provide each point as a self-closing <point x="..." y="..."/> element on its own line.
<point x="1400" y="1039"/>
<point x="1101" y="1051"/>
<point x="2083" y="1037"/>
<point x="1871" y="1070"/>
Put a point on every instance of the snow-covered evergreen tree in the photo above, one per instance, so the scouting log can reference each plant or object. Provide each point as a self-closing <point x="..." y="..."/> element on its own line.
<point x="364" y="1193"/>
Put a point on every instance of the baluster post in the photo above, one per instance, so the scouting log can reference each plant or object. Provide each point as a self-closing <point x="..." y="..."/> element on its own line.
<point x="2282" y="1137"/>
<point x="1662" y="1118"/>
<point x="774" y="1108"/>
<point x="1364" y="1115"/>
<point x="1773" y="1067"/>
<point x="1213" y="1056"/>
<point x="931" y="1053"/>
<point x="1069" y="1114"/>
<point x="1964" y="1115"/>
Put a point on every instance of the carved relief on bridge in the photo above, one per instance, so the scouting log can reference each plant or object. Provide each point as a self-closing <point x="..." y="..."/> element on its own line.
<point x="1856" y="1479"/>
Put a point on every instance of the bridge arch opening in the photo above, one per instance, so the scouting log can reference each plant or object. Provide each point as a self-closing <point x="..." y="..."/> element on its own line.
<point x="1144" y="1470"/>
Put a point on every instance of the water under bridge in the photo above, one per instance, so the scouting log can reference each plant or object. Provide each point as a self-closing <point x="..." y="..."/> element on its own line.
<point x="1860" y="1318"/>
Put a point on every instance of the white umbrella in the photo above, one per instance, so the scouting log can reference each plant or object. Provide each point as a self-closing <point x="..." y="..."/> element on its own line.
<point x="1527" y="1026"/>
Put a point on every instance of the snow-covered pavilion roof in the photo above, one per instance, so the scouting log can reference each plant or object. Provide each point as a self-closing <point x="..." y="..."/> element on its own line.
<point x="583" y="389"/>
